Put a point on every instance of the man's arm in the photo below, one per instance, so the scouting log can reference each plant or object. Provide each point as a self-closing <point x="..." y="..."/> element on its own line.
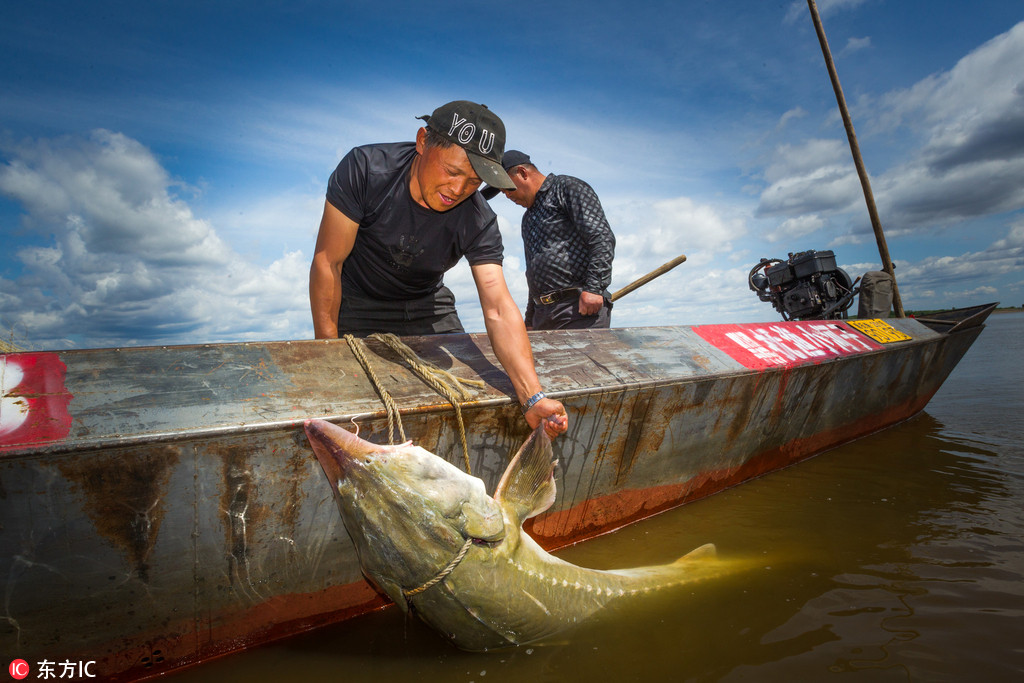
<point x="333" y="245"/>
<point x="511" y="345"/>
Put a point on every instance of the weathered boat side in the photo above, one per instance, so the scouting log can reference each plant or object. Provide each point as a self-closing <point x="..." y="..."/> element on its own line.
<point x="161" y="506"/>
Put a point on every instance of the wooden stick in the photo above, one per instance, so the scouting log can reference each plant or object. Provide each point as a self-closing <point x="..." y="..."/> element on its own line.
<point x="876" y="224"/>
<point x="657" y="272"/>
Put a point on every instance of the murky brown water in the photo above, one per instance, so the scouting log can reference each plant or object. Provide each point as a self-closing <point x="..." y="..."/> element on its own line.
<point x="899" y="557"/>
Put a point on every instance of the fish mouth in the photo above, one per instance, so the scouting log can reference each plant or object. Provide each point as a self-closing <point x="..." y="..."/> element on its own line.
<point x="337" y="449"/>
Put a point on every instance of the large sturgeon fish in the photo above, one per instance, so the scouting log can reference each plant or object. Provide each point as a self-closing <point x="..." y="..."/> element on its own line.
<point x="428" y="535"/>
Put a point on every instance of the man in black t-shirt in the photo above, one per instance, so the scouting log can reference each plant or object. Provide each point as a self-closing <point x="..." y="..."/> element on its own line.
<point x="399" y="215"/>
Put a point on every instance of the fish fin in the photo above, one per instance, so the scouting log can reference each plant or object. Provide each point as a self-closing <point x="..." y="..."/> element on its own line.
<point x="528" y="485"/>
<point x="695" y="565"/>
<point x="704" y="552"/>
<point x="483" y="520"/>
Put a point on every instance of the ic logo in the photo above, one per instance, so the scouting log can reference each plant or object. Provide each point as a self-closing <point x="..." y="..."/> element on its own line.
<point x="19" y="669"/>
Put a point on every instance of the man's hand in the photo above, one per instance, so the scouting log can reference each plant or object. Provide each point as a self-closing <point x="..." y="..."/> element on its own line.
<point x="551" y="413"/>
<point x="590" y="303"/>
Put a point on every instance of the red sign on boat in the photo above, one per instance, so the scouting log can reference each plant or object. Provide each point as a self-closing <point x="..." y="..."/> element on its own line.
<point x="33" y="399"/>
<point x="765" y="345"/>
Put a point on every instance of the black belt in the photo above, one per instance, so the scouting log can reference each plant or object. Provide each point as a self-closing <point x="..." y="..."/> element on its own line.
<point x="559" y="295"/>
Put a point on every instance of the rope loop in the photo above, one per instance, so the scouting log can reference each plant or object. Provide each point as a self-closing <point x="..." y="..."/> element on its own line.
<point x="394" y="417"/>
<point x="441" y="575"/>
<point x="441" y="381"/>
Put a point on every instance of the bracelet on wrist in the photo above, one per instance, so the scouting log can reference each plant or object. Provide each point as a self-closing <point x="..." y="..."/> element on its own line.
<point x="533" y="400"/>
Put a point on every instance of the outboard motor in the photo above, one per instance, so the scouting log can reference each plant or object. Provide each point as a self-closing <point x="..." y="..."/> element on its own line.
<point x="807" y="286"/>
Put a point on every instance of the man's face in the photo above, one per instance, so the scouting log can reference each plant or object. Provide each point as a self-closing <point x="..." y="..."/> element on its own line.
<point x="442" y="177"/>
<point x="523" y="195"/>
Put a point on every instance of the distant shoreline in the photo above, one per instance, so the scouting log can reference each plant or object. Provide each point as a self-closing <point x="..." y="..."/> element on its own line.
<point x="926" y="313"/>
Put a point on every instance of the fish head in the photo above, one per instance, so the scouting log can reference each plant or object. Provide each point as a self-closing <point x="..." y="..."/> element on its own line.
<point x="407" y="511"/>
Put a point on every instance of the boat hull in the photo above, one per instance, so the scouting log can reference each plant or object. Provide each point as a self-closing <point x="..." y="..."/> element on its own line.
<point x="161" y="506"/>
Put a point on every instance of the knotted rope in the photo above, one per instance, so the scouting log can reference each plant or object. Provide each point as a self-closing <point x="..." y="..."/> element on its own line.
<point x="441" y="381"/>
<point x="359" y="351"/>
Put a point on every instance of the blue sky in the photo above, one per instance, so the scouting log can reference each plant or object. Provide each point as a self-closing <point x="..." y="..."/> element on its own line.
<point x="163" y="164"/>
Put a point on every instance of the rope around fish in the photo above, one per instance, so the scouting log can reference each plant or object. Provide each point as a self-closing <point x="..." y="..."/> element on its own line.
<point x="441" y="575"/>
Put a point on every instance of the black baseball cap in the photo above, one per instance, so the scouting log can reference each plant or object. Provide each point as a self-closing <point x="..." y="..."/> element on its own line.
<point x="480" y="132"/>
<point x="509" y="160"/>
<point x="513" y="158"/>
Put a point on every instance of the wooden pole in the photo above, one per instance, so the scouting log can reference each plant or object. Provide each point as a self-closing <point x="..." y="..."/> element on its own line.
<point x="657" y="272"/>
<point x="865" y="183"/>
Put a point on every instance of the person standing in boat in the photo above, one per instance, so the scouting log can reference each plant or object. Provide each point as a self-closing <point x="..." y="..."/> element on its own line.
<point x="397" y="216"/>
<point x="569" y="247"/>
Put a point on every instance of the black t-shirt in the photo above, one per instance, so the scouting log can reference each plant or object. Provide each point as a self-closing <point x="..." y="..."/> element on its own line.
<point x="402" y="249"/>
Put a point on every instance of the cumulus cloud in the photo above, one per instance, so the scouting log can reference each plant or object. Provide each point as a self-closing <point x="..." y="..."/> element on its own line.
<point x="961" y="134"/>
<point x="115" y="257"/>
<point x="968" y="128"/>
<point x="970" y="121"/>
<point x="650" y="234"/>
<point x="796" y="227"/>
<point x="807" y="178"/>
<point x="1013" y="243"/>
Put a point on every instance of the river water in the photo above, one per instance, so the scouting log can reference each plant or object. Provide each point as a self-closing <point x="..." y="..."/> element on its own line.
<point x="899" y="557"/>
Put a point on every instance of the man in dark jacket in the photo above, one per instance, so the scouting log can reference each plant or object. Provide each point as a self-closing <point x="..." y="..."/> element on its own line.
<point x="569" y="247"/>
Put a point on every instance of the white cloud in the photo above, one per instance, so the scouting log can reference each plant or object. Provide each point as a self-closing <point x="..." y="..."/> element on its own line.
<point x="970" y="125"/>
<point x="796" y="227"/>
<point x="1014" y="240"/>
<point x="806" y="158"/>
<point x="649" y="234"/>
<point x="966" y="132"/>
<point x="791" y="115"/>
<point x="129" y="261"/>
<point x="808" y="178"/>
<point x="855" y="45"/>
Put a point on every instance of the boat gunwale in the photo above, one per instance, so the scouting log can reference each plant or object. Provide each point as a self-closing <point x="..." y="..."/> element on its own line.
<point x="235" y="429"/>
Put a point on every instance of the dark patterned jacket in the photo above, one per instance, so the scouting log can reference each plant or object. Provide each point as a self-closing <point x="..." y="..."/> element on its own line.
<point x="567" y="240"/>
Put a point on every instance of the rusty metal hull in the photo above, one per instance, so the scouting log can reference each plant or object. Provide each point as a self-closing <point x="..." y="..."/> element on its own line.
<point x="161" y="506"/>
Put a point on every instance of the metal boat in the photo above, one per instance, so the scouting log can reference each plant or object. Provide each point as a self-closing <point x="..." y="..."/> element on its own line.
<point x="160" y="506"/>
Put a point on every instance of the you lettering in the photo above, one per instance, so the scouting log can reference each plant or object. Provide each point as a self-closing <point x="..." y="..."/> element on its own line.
<point x="466" y="131"/>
